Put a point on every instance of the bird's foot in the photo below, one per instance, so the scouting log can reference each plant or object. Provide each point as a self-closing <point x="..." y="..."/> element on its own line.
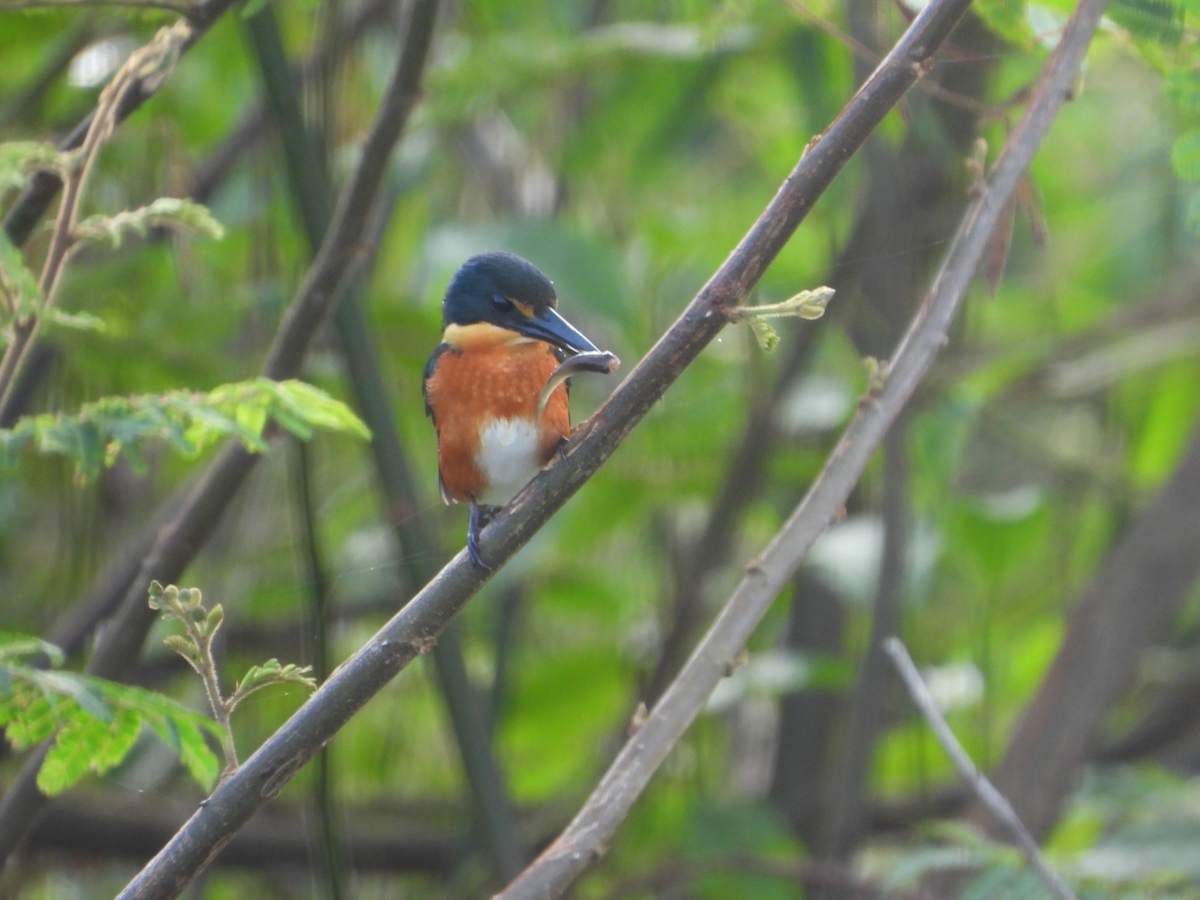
<point x="478" y="518"/>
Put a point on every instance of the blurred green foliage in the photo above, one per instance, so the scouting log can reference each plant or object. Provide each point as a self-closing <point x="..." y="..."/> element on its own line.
<point x="624" y="148"/>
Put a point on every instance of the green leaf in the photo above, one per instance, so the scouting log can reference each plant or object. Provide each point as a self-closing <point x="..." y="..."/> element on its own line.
<point x="292" y="424"/>
<point x="89" y="451"/>
<point x="180" y="727"/>
<point x="13" y="646"/>
<point x="77" y="687"/>
<point x="320" y="410"/>
<point x="1159" y="20"/>
<point x="767" y="337"/>
<point x="1185" y="156"/>
<point x="213" y="620"/>
<point x="168" y="732"/>
<point x="79" y="321"/>
<point x="28" y="716"/>
<point x="188" y="421"/>
<point x="210" y="425"/>
<point x="85" y="743"/>
<point x="177" y="214"/>
<point x="20" y="159"/>
<point x="202" y="764"/>
<point x="96" y="721"/>
<point x="186" y="738"/>
<point x="269" y="673"/>
<point x="182" y="646"/>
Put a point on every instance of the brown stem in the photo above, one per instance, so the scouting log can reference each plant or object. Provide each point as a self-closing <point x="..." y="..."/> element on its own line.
<point x="967" y="770"/>
<point x="206" y="667"/>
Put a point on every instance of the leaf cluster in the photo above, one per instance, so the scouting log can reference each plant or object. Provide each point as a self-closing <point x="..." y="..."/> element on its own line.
<point x="20" y="160"/>
<point x="93" y="723"/>
<point x="188" y="421"/>
<point x="174" y="213"/>
<point x="195" y="645"/>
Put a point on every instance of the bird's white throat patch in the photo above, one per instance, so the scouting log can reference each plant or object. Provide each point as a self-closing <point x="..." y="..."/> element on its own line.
<point x="508" y="458"/>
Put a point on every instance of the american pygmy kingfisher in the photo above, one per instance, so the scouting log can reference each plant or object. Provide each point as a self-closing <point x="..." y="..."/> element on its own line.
<point x="503" y="341"/>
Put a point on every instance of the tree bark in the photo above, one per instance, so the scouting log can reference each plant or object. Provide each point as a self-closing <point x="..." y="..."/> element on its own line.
<point x="1128" y="607"/>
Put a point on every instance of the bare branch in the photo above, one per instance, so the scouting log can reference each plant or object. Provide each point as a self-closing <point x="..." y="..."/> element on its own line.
<point x="1129" y="604"/>
<point x="878" y="268"/>
<point x="969" y="772"/>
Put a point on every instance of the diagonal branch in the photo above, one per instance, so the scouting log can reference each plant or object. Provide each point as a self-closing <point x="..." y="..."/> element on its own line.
<point x="585" y="839"/>
<point x="413" y="630"/>
<point x="1000" y="808"/>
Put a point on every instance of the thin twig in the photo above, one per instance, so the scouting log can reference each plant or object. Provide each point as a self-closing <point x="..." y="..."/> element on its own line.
<point x="413" y="630"/>
<point x="969" y="772"/>
<point x="850" y="274"/>
<point x="205" y="665"/>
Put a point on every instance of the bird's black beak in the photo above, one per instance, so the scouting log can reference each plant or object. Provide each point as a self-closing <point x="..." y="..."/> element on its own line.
<point x="554" y="329"/>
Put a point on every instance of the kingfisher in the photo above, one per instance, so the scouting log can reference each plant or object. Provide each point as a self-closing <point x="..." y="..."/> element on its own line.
<point x="494" y="386"/>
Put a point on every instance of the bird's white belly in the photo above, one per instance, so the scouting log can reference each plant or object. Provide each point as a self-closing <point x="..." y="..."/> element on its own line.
<point x="508" y="458"/>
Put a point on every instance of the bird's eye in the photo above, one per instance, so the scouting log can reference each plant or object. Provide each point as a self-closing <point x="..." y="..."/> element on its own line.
<point x="502" y="303"/>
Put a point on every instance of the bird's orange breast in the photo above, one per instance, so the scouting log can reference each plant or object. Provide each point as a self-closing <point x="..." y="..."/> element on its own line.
<point x="481" y="385"/>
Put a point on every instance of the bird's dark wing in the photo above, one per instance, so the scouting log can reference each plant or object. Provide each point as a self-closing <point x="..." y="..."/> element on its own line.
<point x="430" y="366"/>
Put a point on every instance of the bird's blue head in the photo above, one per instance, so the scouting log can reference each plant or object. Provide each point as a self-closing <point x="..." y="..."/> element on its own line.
<point x="508" y="292"/>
